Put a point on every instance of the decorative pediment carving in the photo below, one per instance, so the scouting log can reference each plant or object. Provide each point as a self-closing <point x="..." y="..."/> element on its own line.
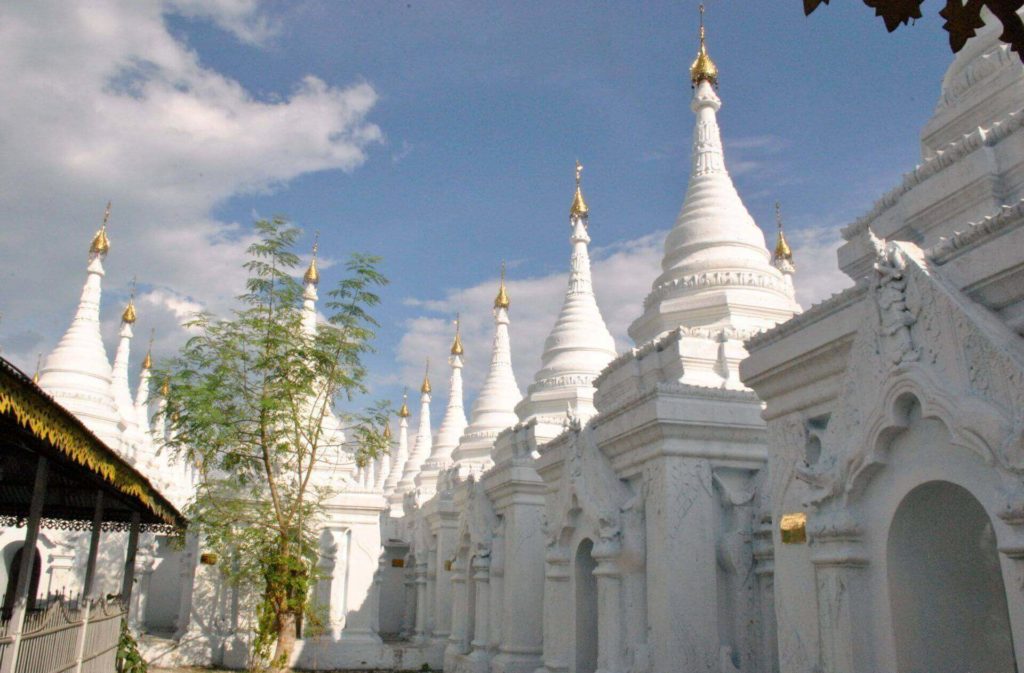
<point x="589" y="485"/>
<point x="921" y="341"/>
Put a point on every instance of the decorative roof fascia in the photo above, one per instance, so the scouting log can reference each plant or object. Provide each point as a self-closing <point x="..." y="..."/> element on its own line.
<point x="46" y="420"/>
<point x="1008" y="217"/>
<point x="944" y="158"/>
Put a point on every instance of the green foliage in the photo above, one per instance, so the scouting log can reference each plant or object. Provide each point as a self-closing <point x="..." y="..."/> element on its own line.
<point x="252" y="403"/>
<point x="128" y="658"/>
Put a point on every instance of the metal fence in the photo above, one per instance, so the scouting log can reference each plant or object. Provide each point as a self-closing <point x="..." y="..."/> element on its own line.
<point x="65" y="638"/>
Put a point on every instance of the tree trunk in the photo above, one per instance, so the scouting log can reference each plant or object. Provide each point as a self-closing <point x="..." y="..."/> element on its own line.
<point x="281" y="661"/>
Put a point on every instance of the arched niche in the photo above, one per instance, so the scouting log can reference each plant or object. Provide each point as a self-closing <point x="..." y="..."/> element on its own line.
<point x="585" y="585"/>
<point x="949" y="611"/>
<point x="12" y="581"/>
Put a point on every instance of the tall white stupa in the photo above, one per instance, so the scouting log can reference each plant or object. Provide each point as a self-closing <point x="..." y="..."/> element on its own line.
<point x="717" y="285"/>
<point x="579" y="345"/>
<point x="77" y="374"/>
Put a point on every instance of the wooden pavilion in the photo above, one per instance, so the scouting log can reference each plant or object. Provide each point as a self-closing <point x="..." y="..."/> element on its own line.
<point x="55" y="473"/>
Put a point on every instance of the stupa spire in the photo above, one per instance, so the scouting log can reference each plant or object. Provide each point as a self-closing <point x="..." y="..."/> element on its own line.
<point x="400" y="457"/>
<point x="452" y="425"/>
<point x="142" y="394"/>
<point x="121" y="389"/>
<point x="782" y="257"/>
<point x="494" y="409"/>
<point x="310" y="280"/>
<point x="77" y="372"/>
<point x="579" y="345"/>
<point x="716" y="272"/>
<point x="703" y="69"/>
<point x="421" y="449"/>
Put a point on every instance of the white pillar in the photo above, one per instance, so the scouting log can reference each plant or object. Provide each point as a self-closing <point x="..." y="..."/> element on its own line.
<point x="481" y="629"/>
<point x="557" y="610"/>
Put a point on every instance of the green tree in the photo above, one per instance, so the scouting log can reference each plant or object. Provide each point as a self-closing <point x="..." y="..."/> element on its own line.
<point x="251" y="402"/>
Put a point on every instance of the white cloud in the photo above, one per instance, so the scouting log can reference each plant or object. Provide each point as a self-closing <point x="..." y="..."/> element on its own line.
<point x="622" y="273"/>
<point x="102" y="102"/>
<point x="238" y="17"/>
<point x="817" y="270"/>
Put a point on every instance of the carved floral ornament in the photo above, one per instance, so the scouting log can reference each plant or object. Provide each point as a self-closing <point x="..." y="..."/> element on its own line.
<point x="927" y="345"/>
<point x="588" y="487"/>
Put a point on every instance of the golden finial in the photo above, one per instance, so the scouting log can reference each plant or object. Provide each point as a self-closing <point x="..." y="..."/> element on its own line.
<point x="129" y="311"/>
<point x="502" y="300"/>
<point x="425" y="388"/>
<point x="165" y="388"/>
<point x="457" y="343"/>
<point x="703" y="68"/>
<point x="403" y="411"/>
<point x="387" y="431"/>
<point x="39" y="365"/>
<point x="312" y="275"/>
<point x="579" y="206"/>
<point x="147" y="362"/>
<point x="782" y="250"/>
<point x="100" y="243"/>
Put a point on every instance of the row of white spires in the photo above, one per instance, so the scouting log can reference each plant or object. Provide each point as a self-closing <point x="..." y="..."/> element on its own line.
<point x="717" y="274"/>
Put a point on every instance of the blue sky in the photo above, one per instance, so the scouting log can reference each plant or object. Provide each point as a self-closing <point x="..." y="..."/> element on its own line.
<point x="440" y="135"/>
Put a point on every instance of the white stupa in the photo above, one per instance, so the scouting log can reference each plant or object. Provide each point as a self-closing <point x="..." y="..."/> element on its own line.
<point x="452" y="425"/>
<point x="494" y="409"/>
<point x="717" y="285"/>
<point x="77" y="374"/>
<point x="579" y="345"/>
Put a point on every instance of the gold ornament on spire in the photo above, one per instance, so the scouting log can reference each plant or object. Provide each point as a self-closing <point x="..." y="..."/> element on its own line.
<point x="100" y="243"/>
<point x="403" y="411"/>
<point x="782" y="250"/>
<point x="312" y="275"/>
<point x="579" y="206"/>
<point x="39" y="364"/>
<point x="147" y="362"/>
<point x="502" y="300"/>
<point x="457" y="343"/>
<point x="425" y="388"/>
<point x="165" y="388"/>
<point x="703" y="68"/>
<point x="129" y="311"/>
<point x="387" y="431"/>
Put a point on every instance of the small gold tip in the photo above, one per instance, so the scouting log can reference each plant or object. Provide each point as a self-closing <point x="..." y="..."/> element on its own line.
<point x="502" y="300"/>
<point x="129" y="313"/>
<point x="387" y="431"/>
<point x="782" y="250"/>
<point x="703" y="68"/>
<point x="312" y="275"/>
<point x="403" y="411"/>
<point x="457" y="343"/>
<point x="579" y="205"/>
<point x="100" y="243"/>
<point x="425" y="388"/>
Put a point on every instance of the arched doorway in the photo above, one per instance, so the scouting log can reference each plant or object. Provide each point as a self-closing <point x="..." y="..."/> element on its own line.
<point x="945" y="585"/>
<point x="585" y="659"/>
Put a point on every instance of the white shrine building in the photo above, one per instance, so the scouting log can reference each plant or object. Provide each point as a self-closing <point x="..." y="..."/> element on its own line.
<point x="748" y="489"/>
